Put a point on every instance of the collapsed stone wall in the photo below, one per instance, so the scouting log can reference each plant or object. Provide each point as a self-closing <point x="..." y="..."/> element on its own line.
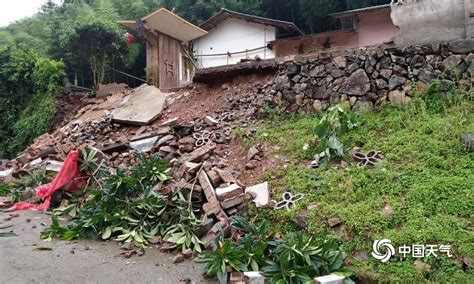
<point x="369" y="78"/>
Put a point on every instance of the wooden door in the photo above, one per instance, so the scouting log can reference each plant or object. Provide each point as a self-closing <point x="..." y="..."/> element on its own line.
<point x="168" y="61"/>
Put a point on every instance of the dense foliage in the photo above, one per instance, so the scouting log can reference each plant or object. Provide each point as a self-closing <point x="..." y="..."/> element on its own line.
<point x="126" y="207"/>
<point x="95" y="41"/>
<point x="29" y="83"/>
<point x="296" y="260"/>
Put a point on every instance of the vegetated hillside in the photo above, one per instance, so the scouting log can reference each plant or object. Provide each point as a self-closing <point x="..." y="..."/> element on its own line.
<point x="421" y="193"/>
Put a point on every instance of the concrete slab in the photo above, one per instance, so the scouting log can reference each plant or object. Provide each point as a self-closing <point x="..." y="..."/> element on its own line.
<point x="144" y="145"/>
<point x="6" y="173"/>
<point x="260" y="194"/>
<point x="54" y="166"/>
<point x="100" y="109"/>
<point x="110" y="89"/>
<point x="143" y="106"/>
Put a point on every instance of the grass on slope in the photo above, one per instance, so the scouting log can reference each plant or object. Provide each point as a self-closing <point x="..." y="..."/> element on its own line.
<point x="427" y="178"/>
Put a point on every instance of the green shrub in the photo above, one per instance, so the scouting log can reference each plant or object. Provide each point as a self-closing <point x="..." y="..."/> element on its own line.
<point x="29" y="84"/>
<point x="296" y="260"/>
<point x="336" y="121"/>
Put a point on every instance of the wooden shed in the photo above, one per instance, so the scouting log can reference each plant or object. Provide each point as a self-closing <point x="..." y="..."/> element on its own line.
<point x="167" y="58"/>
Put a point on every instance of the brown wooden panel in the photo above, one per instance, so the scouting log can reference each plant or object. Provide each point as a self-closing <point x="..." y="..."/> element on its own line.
<point x="168" y="60"/>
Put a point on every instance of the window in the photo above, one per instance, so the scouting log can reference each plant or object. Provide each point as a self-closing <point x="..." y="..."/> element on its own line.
<point x="348" y="22"/>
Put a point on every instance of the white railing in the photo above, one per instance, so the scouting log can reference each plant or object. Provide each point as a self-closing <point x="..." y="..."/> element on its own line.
<point x="402" y="2"/>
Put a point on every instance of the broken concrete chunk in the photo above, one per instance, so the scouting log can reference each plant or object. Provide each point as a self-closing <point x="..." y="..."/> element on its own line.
<point x="167" y="247"/>
<point x="196" y="154"/>
<point x="205" y="226"/>
<point x="231" y="211"/>
<point x="207" y="187"/>
<point x="168" y="149"/>
<point x="468" y="141"/>
<point x="114" y="147"/>
<point x="144" y="145"/>
<point x="254" y="277"/>
<point x="171" y="122"/>
<point x="188" y="253"/>
<point x="165" y="140"/>
<point x="163" y="130"/>
<point x="192" y="167"/>
<point x="251" y="165"/>
<point x="214" y="177"/>
<point x="234" y="201"/>
<point x="143" y="136"/>
<point x="54" y="166"/>
<point x="36" y="162"/>
<point x="225" y="176"/>
<point x="6" y="173"/>
<point x="110" y="89"/>
<point x="253" y="151"/>
<point x="329" y="279"/>
<point x="143" y="106"/>
<point x="178" y="258"/>
<point x="211" y="121"/>
<point x="23" y="158"/>
<point x="216" y="229"/>
<point x="260" y="194"/>
<point x="224" y="193"/>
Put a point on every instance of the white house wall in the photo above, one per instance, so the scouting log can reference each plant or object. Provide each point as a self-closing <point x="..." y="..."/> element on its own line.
<point x="234" y="35"/>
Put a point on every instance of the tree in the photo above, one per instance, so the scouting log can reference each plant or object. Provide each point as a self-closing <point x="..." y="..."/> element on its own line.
<point x="48" y="6"/>
<point x="105" y="10"/>
<point x="96" y="40"/>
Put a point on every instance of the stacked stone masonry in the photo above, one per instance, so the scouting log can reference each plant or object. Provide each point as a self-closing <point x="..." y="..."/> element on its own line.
<point x="366" y="79"/>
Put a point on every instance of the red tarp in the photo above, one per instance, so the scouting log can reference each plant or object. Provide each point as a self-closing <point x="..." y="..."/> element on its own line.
<point x="67" y="178"/>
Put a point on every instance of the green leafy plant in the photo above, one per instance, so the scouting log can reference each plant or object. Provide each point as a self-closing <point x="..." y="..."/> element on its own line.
<point x="337" y="121"/>
<point x="185" y="238"/>
<point x="225" y="257"/>
<point x="297" y="260"/>
<point x="302" y="260"/>
<point x="124" y="207"/>
<point x="286" y="270"/>
<point x="255" y="241"/>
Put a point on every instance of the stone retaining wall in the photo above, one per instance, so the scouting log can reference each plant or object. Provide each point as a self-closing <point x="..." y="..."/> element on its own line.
<point x="367" y="79"/>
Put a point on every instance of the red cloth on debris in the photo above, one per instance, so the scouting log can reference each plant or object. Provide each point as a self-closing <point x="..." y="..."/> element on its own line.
<point x="66" y="178"/>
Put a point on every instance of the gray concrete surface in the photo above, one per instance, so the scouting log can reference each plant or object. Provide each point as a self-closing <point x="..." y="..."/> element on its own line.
<point x="22" y="260"/>
<point x="141" y="107"/>
<point x="427" y="21"/>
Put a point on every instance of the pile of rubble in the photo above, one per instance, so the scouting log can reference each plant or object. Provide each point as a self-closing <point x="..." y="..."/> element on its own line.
<point x="196" y="150"/>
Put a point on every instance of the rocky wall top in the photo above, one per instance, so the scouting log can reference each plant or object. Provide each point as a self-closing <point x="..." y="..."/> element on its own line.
<point x="370" y="78"/>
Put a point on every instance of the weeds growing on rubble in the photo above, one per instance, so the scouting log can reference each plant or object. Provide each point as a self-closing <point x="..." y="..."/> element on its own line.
<point x="297" y="260"/>
<point x="422" y="193"/>
<point x="125" y="207"/>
